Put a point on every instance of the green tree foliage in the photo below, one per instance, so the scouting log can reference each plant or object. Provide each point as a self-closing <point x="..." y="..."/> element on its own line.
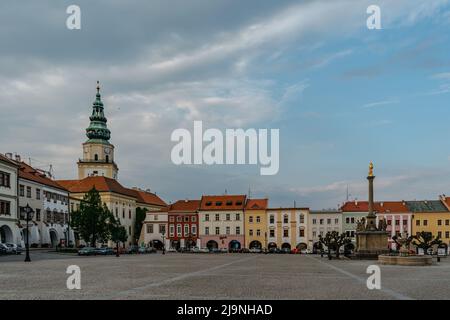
<point x="425" y="240"/>
<point x="118" y="234"/>
<point x="92" y="221"/>
<point x="334" y="241"/>
<point x="138" y="223"/>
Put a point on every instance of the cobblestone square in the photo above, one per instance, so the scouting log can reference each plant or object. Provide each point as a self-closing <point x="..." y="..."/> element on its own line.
<point x="215" y="276"/>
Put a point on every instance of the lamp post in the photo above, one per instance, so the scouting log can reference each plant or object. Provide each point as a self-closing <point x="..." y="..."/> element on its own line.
<point x="28" y="212"/>
<point x="164" y="242"/>
<point x="265" y="242"/>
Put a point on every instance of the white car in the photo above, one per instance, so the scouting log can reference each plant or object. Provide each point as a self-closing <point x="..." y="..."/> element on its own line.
<point x="255" y="250"/>
<point x="171" y="250"/>
<point x="305" y="251"/>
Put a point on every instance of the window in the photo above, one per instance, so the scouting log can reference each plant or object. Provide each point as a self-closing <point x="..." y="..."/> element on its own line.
<point x="321" y="221"/>
<point x="117" y="211"/>
<point x="206" y="217"/>
<point x="149" y="228"/>
<point x="5" y="208"/>
<point x="302" y="218"/>
<point x="171" y="230"/>
<point x="206" y="230"/>
<point x="439" y="234"/>
<point x="194" y="219"/>
<point x="208" y="203"/>
<point x="186" y="219"/>
<point x="5" y="179"/>
<point x="405" y="222"/>
<point x="258" y="232"/>
<point x="314" y="221"/>
<point x="22" y="190"/>
<point x="217" y="217"/>
<point x="29" y="192"/>
<point x="302" y="232"/>
<point x="352" y="234"/>
<point x="347" y="234"/>
<point x="447" y="234"/>
<point x="336" y="221"/>
<point x="286" y="233"/>
<point x="171" y="218"/>
<point x="347" y="220"/>
<point x="186" y="230"/>
<point x="194" y="229"/>
<point x="155" y="217"/>
<point x="38" y="215"/>
<point x="250" y="232"/>
<point x="129" y="214"/>
<point x="286" y="218"/>
<point x="238" y="230"/>
<point x="250" y="219"/>
<point x="228" y="217"/>
<point x="314" y="234"/>
<point x="352" y="219"/>
<point x="227" y="230"/>
<point x="217" y="230"/>
<point x="123" y="213"/>
<point x="397" y="222"/>
<point x="258" y="219"/>
<point x="238" y="217"/>
<point x="389" y="222"/>
<point x="425" y="222"/>
<point x="439" y="222"/>
<point x="179" y="219"/>
<point x="162" y="228"/>
<point x="271" y="233"/>
<point x="96" y="157"/>
<point x="417" y="222"/>
<point x="179" y="230"/>
<point x="447" y="222"/>
<point x="328" y="221"/>
<point x="107" y="158"/>
<point x="129" y="230"/>
<point x="272" y="219"/>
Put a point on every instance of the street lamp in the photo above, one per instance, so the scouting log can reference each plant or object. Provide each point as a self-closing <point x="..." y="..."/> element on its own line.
<point x="265" y="244"/>
<point x="164" y="241"/>
<point x="28" y="212"/>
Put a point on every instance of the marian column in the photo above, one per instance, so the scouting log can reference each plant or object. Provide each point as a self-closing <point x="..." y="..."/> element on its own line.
<point x="371" y="217"/>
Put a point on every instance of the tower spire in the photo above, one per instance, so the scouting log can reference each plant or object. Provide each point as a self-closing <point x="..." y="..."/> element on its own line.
<point x="97" y="130"/>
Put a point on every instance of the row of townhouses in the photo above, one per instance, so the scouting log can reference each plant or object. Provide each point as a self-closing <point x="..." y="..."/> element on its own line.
<point x="235" y="222"/>
<point x="224" y="221"/>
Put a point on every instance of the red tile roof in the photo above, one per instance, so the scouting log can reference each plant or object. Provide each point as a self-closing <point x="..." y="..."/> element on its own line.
<point x="226" y="202"/>
<point x="102" y="184"/>
<point x="29" y="173"/>
<point x="256" y="204"/>
<point x="148" y="198"/>
<point x="379" y="206"/>
<point x="185" y="206"/>
<point x="7" y="160"/>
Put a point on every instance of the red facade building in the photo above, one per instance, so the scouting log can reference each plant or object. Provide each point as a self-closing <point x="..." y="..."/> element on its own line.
<point x="183" y="224"/>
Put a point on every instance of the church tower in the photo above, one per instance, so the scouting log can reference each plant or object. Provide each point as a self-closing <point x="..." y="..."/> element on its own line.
<point x="98" y="153"/>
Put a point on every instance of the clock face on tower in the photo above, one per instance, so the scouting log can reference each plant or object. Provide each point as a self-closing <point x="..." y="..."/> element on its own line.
<point x="107" y="150"/>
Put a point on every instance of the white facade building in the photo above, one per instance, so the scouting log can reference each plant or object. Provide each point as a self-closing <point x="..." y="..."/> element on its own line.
<point x="155" y="229"/>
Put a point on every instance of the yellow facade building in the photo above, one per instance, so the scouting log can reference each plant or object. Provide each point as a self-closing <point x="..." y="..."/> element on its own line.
<point x="255" y="223"/>
<point x="431" y="216"/>
<point x="287" y="228"/>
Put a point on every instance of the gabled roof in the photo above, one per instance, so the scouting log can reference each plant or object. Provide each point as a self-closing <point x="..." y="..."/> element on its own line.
<point x="148" y="198"/>
<point x="426" y="206"/>
<point x="256" y="204"/>
<point x="29" y="173"/>
<point x="225" y="202"/>
<point x="379" y="206"/>
<point x="185" y="206"/>
<point x="101" y="183"/>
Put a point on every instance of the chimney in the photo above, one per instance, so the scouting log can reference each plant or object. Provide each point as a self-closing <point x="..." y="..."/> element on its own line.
<point x="381" y="204"/>
<point x="9" y="155"/>
<point x="18" y="158"/>
<point x="356" y="202"/>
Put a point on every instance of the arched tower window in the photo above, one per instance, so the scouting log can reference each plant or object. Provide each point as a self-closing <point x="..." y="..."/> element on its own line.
<point x="107" y="158"/>
<point x="96" y="157"/>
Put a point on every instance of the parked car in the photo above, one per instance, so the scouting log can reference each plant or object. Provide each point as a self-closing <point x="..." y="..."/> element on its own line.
<point x="150" y="250"/>
<point x="171" y="250"/>
<point x="87" y="251"/>
<point x="305" y="251"/>
<point x="14" y="248"/>
<point x="214" y="250"/>
<point x="3" y="248"/>
<point x="142" y="250"/>
<point x="104" y="251"/>
<point x="132" y="249"/>
<point x="255" y="250"/>
<point x="121" y="250"/>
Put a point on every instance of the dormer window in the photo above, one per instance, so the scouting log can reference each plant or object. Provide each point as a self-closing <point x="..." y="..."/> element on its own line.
<point x="218" y="203"/>
<point x="208" y="203"/>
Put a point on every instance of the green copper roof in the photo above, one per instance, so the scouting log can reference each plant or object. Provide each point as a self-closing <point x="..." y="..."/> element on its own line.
<point x="426" y="206"/>
<point x="97" y="130"/>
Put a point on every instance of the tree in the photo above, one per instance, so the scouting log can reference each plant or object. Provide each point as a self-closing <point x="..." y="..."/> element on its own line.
<point x="333" y="240"/>
<point x="92" y="220"/>
<point x="139" y="222"/>
<point x="118" y="234"/>
<point x="425" y="240"/>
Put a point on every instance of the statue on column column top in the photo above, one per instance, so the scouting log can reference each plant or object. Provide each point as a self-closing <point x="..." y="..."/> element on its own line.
<point x="371" y="169"/>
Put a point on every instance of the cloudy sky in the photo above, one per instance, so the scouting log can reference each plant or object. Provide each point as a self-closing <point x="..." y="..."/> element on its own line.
<point x="341" y="95"/>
